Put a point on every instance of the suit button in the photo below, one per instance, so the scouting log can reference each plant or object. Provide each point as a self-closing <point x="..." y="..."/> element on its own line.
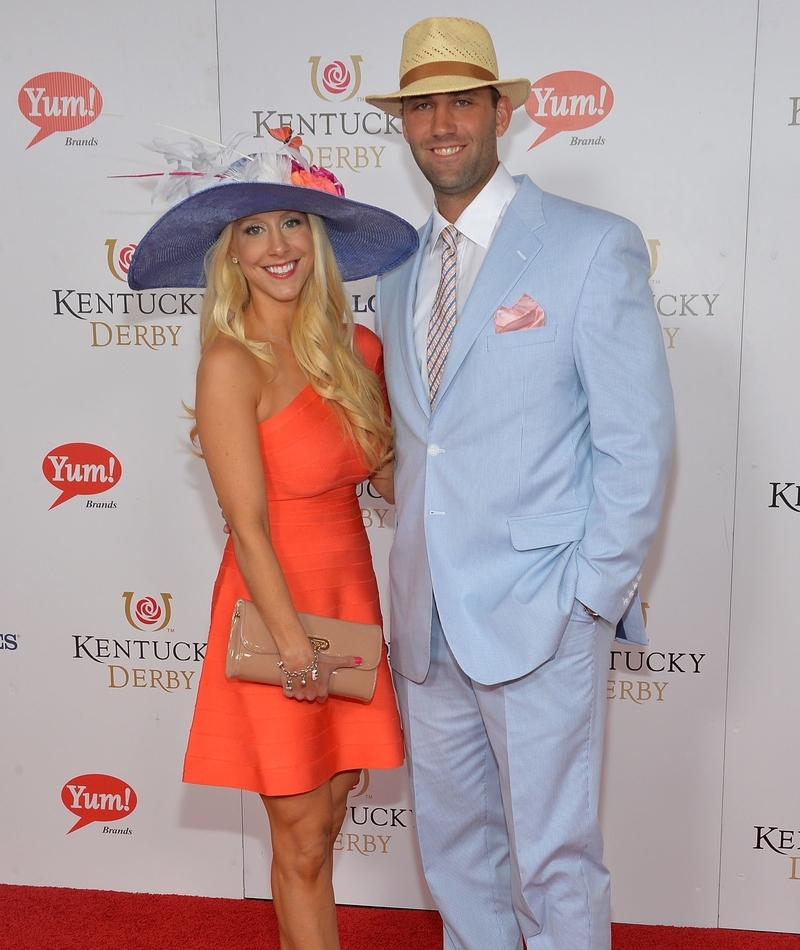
<point x="434" y="450"/>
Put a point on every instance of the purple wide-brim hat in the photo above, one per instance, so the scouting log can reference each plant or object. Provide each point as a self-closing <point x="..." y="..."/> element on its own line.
<point x="366" y="240"/>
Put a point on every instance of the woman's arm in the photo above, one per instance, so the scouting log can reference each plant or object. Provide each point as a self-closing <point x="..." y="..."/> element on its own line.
<point x="372" y="352"/>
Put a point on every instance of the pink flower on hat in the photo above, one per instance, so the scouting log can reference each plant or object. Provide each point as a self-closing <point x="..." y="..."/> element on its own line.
<point x="316" y="177"/>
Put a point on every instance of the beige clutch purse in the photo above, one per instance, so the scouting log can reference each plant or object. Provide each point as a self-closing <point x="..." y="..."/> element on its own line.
<point x="253" y="655"/>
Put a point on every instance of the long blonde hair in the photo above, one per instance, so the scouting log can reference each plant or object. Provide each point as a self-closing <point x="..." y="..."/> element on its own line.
<point x="321" y="335"/>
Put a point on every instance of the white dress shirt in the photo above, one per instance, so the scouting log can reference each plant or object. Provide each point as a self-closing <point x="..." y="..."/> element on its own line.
<point x="476" y="227"/>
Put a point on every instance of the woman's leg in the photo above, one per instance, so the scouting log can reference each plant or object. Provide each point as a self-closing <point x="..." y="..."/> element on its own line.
<point x="341" y="786"/>
<point x="303" y="829"/>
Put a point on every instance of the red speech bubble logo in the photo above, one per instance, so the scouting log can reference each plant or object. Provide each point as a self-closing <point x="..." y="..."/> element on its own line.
<point x="59" y="102"/>
<point x="96" y="797"/>
<point x="569" y="100"/>
<point x="80" y="468"/>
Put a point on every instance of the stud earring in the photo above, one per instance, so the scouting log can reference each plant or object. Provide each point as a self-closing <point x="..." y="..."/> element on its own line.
<point x="235" y="260"/>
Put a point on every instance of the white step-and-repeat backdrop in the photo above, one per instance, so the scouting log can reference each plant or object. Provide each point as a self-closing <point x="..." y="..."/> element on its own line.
<point x="683" y="116"/>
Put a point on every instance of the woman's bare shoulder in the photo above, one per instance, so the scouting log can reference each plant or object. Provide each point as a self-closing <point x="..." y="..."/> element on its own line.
<point x="226" y="359"/>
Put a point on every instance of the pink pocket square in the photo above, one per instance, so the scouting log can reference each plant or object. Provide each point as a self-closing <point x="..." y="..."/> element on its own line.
<point x="523" y="315"/>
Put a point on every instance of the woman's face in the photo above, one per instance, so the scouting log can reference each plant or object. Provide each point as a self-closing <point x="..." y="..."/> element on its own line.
<point x="275" y="252"/>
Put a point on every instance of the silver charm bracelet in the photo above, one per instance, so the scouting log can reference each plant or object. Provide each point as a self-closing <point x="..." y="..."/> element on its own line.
<point x="291" y="674"/>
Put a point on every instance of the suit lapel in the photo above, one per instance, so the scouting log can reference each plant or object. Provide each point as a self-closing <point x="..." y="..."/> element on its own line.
<point x="406" y="321"/>
<point x="514" y="247"/>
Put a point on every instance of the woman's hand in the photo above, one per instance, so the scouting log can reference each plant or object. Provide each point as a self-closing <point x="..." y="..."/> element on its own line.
<point x="383" y="482"/>
<point x="302" y="683"/>
<point x="226" y="528"/>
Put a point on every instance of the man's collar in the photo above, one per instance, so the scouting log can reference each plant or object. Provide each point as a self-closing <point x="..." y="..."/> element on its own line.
<point x="479" y="219"/>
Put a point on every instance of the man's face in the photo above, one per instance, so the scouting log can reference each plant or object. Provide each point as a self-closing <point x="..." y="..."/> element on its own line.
<point x="453" y="138"/>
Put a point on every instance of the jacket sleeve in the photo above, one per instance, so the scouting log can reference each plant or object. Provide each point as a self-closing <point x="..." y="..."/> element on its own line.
<point x="621" y="361"/>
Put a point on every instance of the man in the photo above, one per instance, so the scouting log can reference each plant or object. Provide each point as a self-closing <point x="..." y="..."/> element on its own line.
<point x="532" y="404"/>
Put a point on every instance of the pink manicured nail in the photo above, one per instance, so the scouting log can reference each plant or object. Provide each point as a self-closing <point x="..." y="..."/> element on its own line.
<point x="358" y="660"/>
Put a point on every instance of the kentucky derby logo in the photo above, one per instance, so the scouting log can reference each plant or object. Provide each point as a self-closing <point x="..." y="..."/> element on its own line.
<point x="567" y="102"/>
<point x="337" y="82"/>
<point x="118" y="263"/>
<point x="147" y="613"/>
<point x="362" y="784"/>
<point x="653" y="244"/>
<point x="780" y="841"/>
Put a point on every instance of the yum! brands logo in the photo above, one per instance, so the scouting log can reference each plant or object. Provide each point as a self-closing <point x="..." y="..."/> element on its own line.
<point x="147" y="613"/>
<point x="60" y="102"/>
<point x="334" y="82"/>
<point x="569" y="101"/>
<point x="97" y="797"/>
<point x="82" y="468"/>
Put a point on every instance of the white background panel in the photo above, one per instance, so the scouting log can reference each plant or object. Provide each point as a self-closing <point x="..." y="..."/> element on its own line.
<point x="760" y="879"/>
<point x="698" y="149"/>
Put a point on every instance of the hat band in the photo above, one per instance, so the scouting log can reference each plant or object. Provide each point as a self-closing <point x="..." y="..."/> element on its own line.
<point x="431" y="70"/>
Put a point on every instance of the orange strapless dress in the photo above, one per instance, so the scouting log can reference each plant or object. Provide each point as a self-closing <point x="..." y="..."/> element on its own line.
<point x="248" y="735"/>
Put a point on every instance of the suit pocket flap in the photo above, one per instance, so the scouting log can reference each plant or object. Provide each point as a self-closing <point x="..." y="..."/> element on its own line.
<point x="544" y="531"/>
<point x="527" y="337"/>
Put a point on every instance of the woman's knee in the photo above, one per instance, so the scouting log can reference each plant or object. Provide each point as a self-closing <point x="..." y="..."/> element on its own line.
<point x="305" y="854"/>
<point x="301" y="833"/>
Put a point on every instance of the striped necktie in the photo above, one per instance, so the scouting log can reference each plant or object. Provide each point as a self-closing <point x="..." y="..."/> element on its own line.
<point x="443" y="315"/>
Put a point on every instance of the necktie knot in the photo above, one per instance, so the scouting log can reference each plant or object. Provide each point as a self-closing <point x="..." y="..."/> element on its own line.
<point x="449" y="240"/>
<point x="444" y="312"/>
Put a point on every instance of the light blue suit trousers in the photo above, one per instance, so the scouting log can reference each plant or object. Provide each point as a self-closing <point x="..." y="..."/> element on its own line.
<point x="507" y="855"/>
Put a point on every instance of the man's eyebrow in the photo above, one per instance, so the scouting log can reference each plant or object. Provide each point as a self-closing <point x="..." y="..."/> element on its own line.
<point x="453" y="94"/>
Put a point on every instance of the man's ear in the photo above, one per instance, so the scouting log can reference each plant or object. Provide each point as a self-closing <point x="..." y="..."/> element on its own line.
<point x="503" y="115"/>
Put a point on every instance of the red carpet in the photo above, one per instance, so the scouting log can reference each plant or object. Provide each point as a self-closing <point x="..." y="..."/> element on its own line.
<point x="55" y="918"/>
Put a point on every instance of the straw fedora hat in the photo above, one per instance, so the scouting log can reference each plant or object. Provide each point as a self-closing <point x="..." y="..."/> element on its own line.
<point x="448" y="54"/>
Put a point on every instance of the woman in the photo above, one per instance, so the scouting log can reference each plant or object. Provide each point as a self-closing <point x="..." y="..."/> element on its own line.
<point x="291" y="416"/>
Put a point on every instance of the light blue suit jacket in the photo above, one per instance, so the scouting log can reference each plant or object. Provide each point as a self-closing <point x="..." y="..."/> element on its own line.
<point x="540" y="474"/>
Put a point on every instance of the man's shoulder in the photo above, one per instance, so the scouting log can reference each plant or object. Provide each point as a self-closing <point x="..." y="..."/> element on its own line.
<point x="556" y="208"/>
